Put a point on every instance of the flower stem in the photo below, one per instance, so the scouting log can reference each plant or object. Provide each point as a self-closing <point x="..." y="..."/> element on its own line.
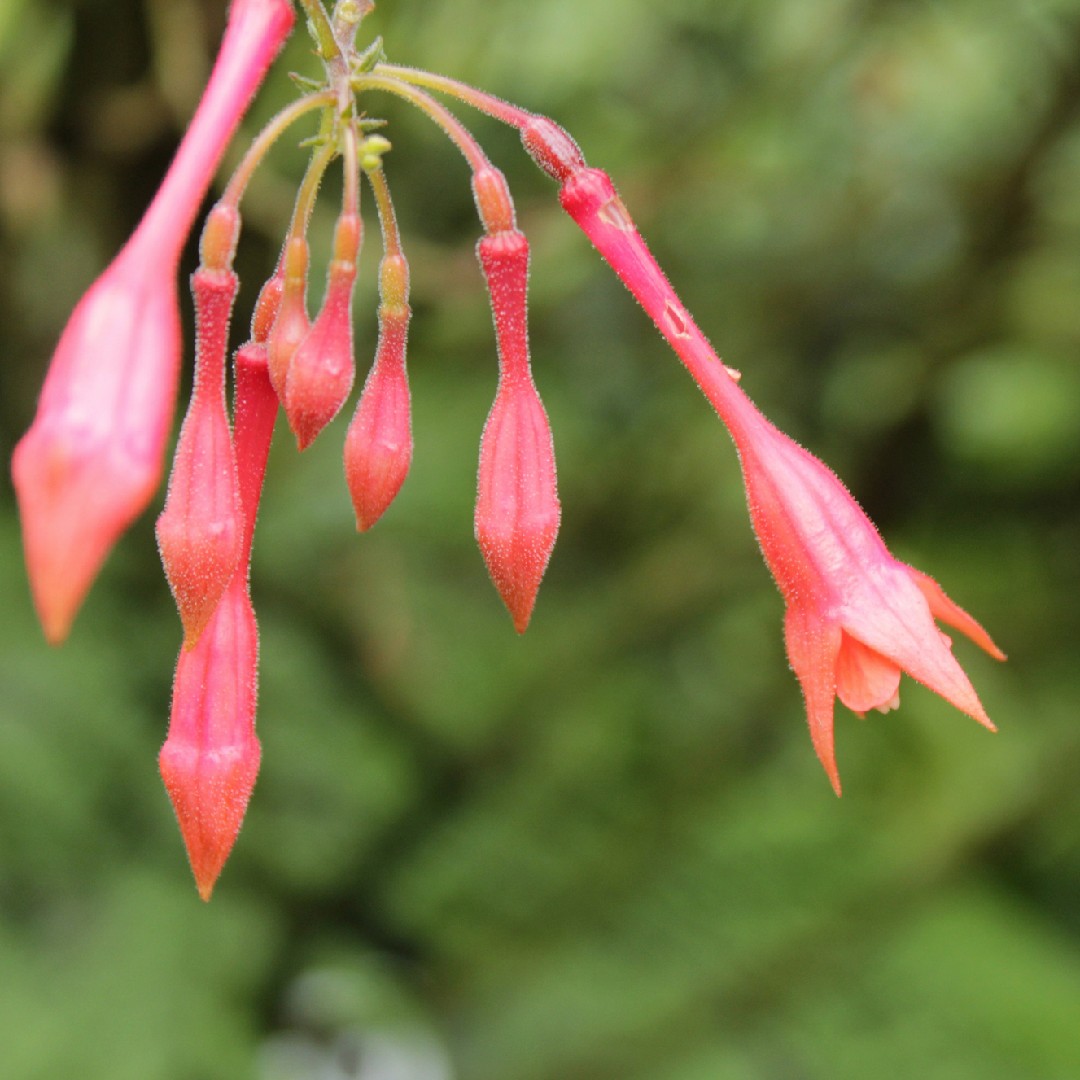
<point x="258" y="150"/>
<point x="454" y="129"/>
<point x="478" y="99"/>
<point x="309" y="188"/>
<point x="387" y="218"/>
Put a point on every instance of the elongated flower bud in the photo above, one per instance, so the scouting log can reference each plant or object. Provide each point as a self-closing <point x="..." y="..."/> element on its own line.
<point x="517" y="505"/>
<point x="552" y="148"/>
<point x="92" y="459"/>
<point x="320" y="376"/>
<point x="378" y="444"/>
<point x="200" y="530"/>
<point x="266" y="306"/>
<point x="211" y="757"/>
<point x="291" y="322"/>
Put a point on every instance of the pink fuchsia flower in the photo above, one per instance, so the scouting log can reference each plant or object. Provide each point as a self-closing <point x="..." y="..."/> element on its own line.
<point x="517" y="503"/>
<point x="379" y="443"/>
<point x="92" y="458"/>
<point x="199" y="532"/>
<point x="211" y="757"/>
<point x="291" y="323"/>
<point x="320" y="375"/>
<point x="856" y="617"/>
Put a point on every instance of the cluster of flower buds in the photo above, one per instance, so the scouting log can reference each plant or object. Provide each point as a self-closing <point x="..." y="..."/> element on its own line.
<point x="91" y="461"/>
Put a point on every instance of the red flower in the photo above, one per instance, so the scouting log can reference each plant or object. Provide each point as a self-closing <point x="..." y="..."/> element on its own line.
<point x="92" y="458"/>
<point x="856" y="616"/>
<point x="200" y="529"/>
<point x="211" y="758"/>
<point x="379" y="443"/>
<point x="517" y="504"/>
<point x="320" y="374"/>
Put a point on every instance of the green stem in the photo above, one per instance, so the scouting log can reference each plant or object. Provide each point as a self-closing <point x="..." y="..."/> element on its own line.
<point x="387" y="219"/>
<point x="442" y="116"/>
<point x="309" y="188"/>
<point x="478" y="99"/>
<point x="266" y="138"/>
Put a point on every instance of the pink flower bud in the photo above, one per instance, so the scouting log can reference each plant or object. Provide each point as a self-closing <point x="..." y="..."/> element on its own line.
<point x="266" y="306"/>
<point x="211" y="757"/>
<point x="256" y="407"/>
<point x="552" y="148"/>
<point x="200" y="531"/>
<point x="378" y="445"/>
<point x="92" y="458"/>
<point x="321" y="373"/>
<point x="517" y="506"/>
<point x="291" y="322"/>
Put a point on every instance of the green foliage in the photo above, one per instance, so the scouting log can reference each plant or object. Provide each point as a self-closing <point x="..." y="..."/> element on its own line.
<point x="603" y="851"/>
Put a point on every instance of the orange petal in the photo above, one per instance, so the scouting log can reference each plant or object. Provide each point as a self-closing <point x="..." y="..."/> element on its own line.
<point x="951" y="614"/>
<point x="812" y="647"/>
<point x="865" y="679"/>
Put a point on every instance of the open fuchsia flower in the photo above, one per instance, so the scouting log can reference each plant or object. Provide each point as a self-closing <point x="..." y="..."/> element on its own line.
<point x="856" y="617"/>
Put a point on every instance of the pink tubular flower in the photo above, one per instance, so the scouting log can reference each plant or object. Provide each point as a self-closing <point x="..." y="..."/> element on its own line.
<point x="379" y="443"/>
<point x="200" y="530"/>
<point x="320" y="375"/>
<point x="517" y="505"/>
<point x="856" y="617"/>
<point x="211" y="756"/>
<point x="93" y="455"/>
<point x="291" y="323"/>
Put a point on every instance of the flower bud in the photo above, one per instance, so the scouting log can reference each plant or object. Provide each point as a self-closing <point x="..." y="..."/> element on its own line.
<point x="200" y="530"/>
<point x="211" y="756"/>
<point x="92" y="457"/>
<point x="517" y="508"/>
<point x="266" y="306"/>
<point x="255" y="412"/>
<point x="321" y="373"/>
<point x="552" y="148"/>
<point x="378" y="445"/>
<point x="291" y="322"/>
<point x="517" y="505"/>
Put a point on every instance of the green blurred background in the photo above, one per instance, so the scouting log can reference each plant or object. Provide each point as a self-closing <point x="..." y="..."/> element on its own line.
<point x="605" y="850"/>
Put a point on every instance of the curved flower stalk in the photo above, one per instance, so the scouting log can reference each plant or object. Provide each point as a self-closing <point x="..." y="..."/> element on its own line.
<point x="92" y="458"/>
